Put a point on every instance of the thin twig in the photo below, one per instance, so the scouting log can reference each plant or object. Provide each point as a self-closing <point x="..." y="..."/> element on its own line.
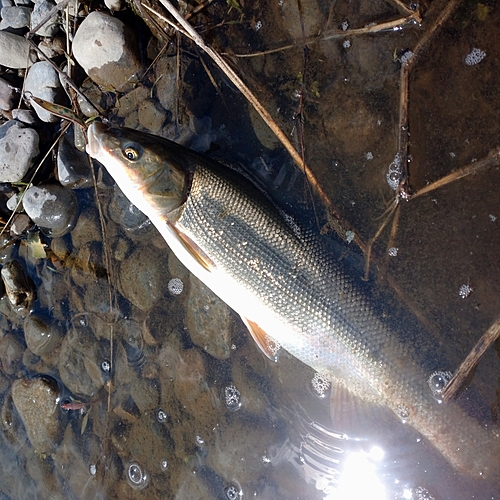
<point x="459" y="377"/>
<point x="492" y="159"/>
<point x="333" y="34"/>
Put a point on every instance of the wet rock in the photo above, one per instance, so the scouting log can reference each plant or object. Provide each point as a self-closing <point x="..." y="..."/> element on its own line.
<point x="36" y="401"/>
<point x="73" y="167"/>
<point x="104" y="47"/>
<point x="151" y="116"/>
<point x="209" y="321"/>
<point x="18" y="286"/>
<point x="14" y="51"/>
<point x="15" y="17"/>
<point x="52" y="207"/>
<point x="11" y="353"/>
<point x="72" y="462"/>
<point x="43" y="81"/>
<point x="95" y="95"/>
<point x="42" y="8"/>
<point x="165" y="88"/>
<point x="234" y="456"/>
<point x="126" y="214"/>
<point x="7" y="95"/>
<point x="87" y="228"/>
<point x="18" y="148"/>
<point x="141" y="278"/>
<point x="26" y="116"/>
<point x="146" y="394"/>
<point x="41" y="334"/>
<point x="131" y="101"/>
<point x="60" y="248"/>
<point x="96" y="296"/>
<point x="88" y="264"/>
<point x="52" y="47"/>
<point x="143" y="445"/>
<point x="6" y="248"/>
<point x="79" y="362"/>
<point x="114" y="5"/>
<point x="20" y="224"/>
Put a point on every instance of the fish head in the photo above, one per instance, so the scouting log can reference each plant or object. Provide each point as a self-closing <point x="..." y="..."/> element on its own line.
<point x="148" y="169"/>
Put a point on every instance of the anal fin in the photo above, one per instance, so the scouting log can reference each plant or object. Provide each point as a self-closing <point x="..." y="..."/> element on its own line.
<point x="265" y="342"/>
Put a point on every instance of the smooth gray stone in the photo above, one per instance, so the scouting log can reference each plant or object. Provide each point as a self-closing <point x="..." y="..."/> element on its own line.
<point x="16" y="17"/>
<point x="14" y="51"/>
<point x="18" y="148"/>
<point x="42" y="81"/>
<point x="7" y="95"/>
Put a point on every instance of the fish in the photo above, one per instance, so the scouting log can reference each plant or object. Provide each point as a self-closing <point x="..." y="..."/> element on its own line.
<point x="287" y="286"/>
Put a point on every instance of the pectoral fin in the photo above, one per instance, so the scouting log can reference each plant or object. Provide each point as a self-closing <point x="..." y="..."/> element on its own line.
<point x="265" y="342"/>
<point x="201" y="257"/>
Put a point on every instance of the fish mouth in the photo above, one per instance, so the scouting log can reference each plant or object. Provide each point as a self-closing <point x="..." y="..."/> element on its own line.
<point x="94" y="138"/>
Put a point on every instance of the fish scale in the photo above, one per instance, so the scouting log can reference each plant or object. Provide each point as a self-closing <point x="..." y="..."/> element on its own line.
<point x="285" y="281"/>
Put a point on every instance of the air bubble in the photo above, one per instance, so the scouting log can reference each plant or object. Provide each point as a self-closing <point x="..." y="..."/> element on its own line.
<point x="175" y="286"/>
<point x="422" y="494"/>
<point x="199" y="440"/>
<point x="349" y="236"/>
<point x="320" y="384"/>
<point x="475" y="56"/>
<point x="137" y="478"/>
<point x="233" y="492"/>
<point x="105" y="366"/>
<point x="344" y="25"/>
<point x="346" y="44"/>
<point x="161" y="416"/>
<point x="393" y="252"/>
<point x="464" y="291"/>
<point x="164" y="465"/>
<point x="93" y="469"/>
<point x="438" y="380"/>
<point x="394" y="172"/>
<point x="232" y="398"/>
<point x="403" y="412"/>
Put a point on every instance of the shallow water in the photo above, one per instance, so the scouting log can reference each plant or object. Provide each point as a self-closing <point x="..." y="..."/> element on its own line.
<point x="166" y="396"/>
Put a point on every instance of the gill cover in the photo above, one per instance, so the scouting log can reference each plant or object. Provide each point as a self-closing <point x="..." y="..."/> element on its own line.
<point x="150" y="170"/>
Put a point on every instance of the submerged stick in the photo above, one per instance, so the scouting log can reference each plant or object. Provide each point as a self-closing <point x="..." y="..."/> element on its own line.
<point x="492" y="159"/>
<point x="469" y="363"/>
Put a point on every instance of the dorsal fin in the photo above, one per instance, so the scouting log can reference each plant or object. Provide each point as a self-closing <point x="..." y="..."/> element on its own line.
<point x="265" y="342"/>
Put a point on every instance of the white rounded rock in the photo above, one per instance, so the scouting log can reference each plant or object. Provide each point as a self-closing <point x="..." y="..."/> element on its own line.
<point x="14" y="51"/>
<point x="43" y="81"/>
<point x="18" y="147"/>
<point x="102" y="48"/>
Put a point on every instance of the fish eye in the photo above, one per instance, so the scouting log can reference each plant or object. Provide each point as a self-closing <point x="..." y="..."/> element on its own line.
<point x="131" y="153"/>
